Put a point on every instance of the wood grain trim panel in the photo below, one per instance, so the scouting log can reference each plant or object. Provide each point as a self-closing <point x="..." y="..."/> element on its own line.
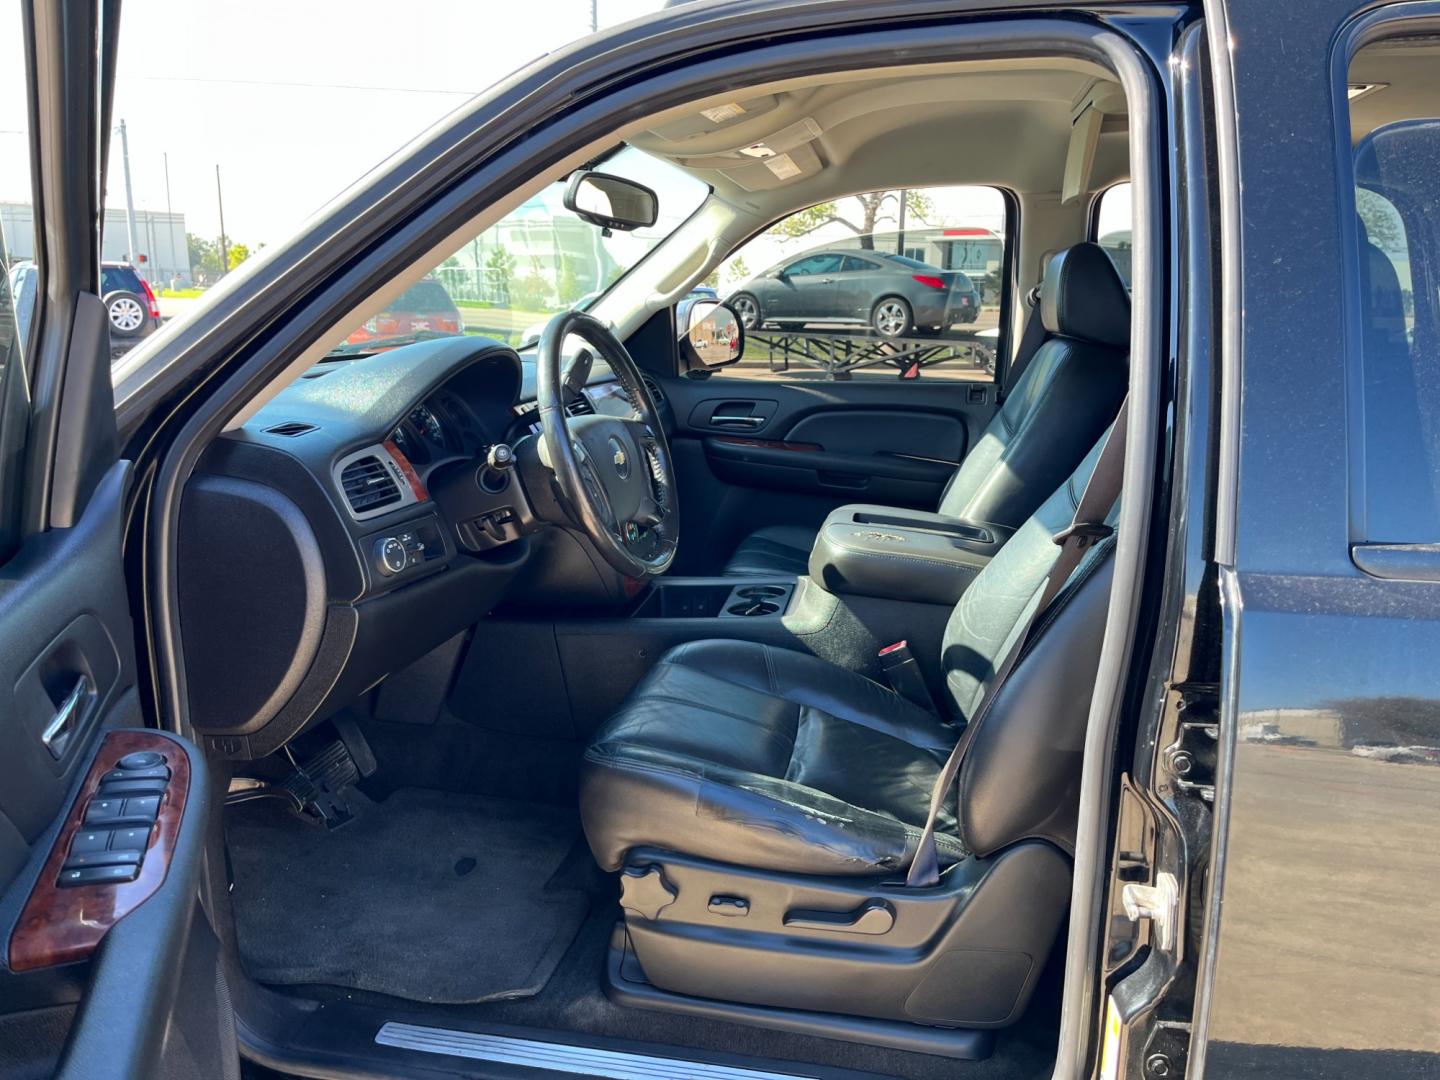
<point x="417" y="486"/>
<point x="770" y="444"/>
<point x="61" y="926"/>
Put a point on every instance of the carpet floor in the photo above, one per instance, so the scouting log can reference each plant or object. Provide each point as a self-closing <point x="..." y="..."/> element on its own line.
<point x="429" y="896"/>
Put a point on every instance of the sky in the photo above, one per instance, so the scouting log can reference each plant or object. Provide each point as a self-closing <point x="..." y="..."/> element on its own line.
<point x="294" y="100"/>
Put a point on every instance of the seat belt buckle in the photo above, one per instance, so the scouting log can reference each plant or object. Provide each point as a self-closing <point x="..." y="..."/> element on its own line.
<point x="903" y="675"/>
<point x="1088" y="532"/>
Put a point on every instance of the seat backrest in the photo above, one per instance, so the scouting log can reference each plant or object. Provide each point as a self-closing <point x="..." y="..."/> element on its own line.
<point x="1021" y="775"/>
<point x="1066" y="397"/>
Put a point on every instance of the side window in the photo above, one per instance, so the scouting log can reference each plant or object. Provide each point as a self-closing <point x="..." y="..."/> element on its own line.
<point x="1110" y="227"/>
<point x="815" y="264"/>
<point x="19" y="275"/>
<point x="1396" y="276"/>
<point x="920" y="299"/>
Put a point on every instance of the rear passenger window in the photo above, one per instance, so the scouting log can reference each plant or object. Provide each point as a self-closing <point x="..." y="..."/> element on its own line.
<point x="919" y="299"/>
<point x="1396" y="275"/>
<point x="1111" y="227"/>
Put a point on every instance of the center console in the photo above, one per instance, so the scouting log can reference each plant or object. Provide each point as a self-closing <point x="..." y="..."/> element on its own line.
<point x="899" y="554"/>
<point x="710" y="598"/>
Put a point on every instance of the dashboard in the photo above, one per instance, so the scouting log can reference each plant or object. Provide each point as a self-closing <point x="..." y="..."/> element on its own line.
<point x="358" y="518"/>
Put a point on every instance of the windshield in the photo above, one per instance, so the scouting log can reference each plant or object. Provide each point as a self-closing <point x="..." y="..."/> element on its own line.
<point x="539" y="259"/>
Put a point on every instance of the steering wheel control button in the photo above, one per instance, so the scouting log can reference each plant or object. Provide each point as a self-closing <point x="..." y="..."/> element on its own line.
<point x="391" y="556"/>
<point x="98" y="875"/>
<point x="141" y="759"/>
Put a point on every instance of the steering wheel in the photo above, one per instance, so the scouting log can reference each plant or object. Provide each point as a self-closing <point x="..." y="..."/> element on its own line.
<point x="615" y="473"/>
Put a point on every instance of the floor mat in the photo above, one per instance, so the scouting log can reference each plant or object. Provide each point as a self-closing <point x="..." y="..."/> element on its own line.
<point x="429" y="896"/>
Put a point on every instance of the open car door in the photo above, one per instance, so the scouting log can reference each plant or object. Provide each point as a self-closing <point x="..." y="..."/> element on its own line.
<point x="108" y="968"/>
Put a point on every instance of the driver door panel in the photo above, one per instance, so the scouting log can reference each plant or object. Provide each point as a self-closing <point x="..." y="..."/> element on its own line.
<point x="810" y="448"/>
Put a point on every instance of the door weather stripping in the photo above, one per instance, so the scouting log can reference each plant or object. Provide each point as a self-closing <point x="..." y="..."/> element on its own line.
<point x="560" y="1057"/>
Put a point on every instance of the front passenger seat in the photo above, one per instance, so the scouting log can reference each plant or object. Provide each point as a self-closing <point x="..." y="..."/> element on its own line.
<point x="1065" y="398"/>
<point x="762" y="805"/>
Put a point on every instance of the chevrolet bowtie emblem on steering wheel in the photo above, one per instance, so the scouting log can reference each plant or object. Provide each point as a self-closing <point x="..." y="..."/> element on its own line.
<point x="619" y="458"/>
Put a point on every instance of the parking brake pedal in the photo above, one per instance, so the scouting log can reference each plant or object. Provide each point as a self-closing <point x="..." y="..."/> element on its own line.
<point x="318" y="784"/>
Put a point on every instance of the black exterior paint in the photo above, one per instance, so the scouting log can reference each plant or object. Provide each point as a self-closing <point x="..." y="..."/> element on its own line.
<point x="1324" y="962"/>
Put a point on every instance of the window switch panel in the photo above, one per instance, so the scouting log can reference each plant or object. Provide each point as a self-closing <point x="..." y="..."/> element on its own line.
<point x="97" y="875"/>
<point x="104" y="858"/>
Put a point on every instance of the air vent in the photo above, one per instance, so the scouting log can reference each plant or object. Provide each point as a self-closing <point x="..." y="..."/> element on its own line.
<point x="580" y="406"/>
<point x="368" y="484"/>
<point x="291" y="429"/>
<point x="654" y="388"/>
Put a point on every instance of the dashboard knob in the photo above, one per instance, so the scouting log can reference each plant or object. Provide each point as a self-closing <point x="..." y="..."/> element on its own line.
<point x="500" y="457"/>
<point x="390" y="555"/>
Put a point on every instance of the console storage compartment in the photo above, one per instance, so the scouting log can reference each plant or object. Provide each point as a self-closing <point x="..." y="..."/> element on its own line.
<point x="708" y="598"/>
<point x="899" y="554"/>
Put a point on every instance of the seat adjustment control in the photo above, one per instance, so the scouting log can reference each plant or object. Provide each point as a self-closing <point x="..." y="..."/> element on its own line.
<point x="733" y="907"/>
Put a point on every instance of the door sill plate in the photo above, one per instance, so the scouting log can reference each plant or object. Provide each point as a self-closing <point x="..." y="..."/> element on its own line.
<point x="561" y="1057"/>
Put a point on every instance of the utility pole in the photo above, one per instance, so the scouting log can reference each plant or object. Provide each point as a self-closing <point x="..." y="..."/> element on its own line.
<point x="224" y="247"/>
<point x="170" y="223"/>
<point x="900" y="233"/>
<point x="594" y="15"/>
<point x="129" y="196"/>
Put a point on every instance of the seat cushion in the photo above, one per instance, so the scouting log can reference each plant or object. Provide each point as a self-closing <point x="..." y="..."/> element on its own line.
<point x="774" y="759"/>
<point x="777" y="550"/>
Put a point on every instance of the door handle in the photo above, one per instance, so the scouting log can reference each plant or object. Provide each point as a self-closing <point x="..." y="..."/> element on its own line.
<point x="56" y="736"/>
<point x="737" y="421"/>
<point x="871" y="917"/>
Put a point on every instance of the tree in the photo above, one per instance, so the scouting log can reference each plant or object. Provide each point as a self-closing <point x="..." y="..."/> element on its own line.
<point x="238" y="254"/>
<point x="1382" y="222"/>
<point x="204" y="256"/>
<point x="499" y="268"/>
<point x="874" y="207"/>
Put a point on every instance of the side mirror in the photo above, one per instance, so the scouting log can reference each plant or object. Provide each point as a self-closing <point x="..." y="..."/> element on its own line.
<point x="611" y="202"/>
<point x="712" y="336"/>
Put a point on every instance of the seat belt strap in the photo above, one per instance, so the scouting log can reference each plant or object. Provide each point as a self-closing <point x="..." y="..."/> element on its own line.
<point x="1031" y="338"/>
<point x="1087" y="527"/>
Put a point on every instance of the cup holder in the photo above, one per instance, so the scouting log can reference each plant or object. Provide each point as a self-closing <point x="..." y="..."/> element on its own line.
<point x="760" y="592"/>
<point x="754" y="607"/>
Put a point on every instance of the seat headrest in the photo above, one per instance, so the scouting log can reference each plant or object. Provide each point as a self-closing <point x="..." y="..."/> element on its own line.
<point x="1083" y="297"/>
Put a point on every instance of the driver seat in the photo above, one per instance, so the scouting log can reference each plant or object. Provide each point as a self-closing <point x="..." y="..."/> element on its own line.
<point x="763" y="804"/>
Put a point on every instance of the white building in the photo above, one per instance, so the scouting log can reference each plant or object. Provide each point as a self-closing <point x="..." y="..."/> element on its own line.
<point x="159" y="238"/>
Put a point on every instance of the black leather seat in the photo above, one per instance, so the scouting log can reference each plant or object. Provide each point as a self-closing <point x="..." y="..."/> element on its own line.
<point x="763" y="804"/>
<point x="1065" y="398"/>
<point x="741" y="752"/>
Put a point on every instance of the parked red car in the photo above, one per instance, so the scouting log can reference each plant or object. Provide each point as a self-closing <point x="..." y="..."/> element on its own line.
<point x="424" y="308"/>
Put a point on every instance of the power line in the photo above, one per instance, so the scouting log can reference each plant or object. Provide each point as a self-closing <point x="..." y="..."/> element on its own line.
<point x="301" y="85"/>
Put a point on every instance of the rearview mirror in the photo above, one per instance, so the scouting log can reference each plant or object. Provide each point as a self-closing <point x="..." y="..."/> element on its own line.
<point x="713" y="336"/>
<point x="611" y="202"/>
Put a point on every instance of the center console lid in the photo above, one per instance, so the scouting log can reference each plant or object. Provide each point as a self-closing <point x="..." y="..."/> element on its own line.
<point x="899" y="554"/>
